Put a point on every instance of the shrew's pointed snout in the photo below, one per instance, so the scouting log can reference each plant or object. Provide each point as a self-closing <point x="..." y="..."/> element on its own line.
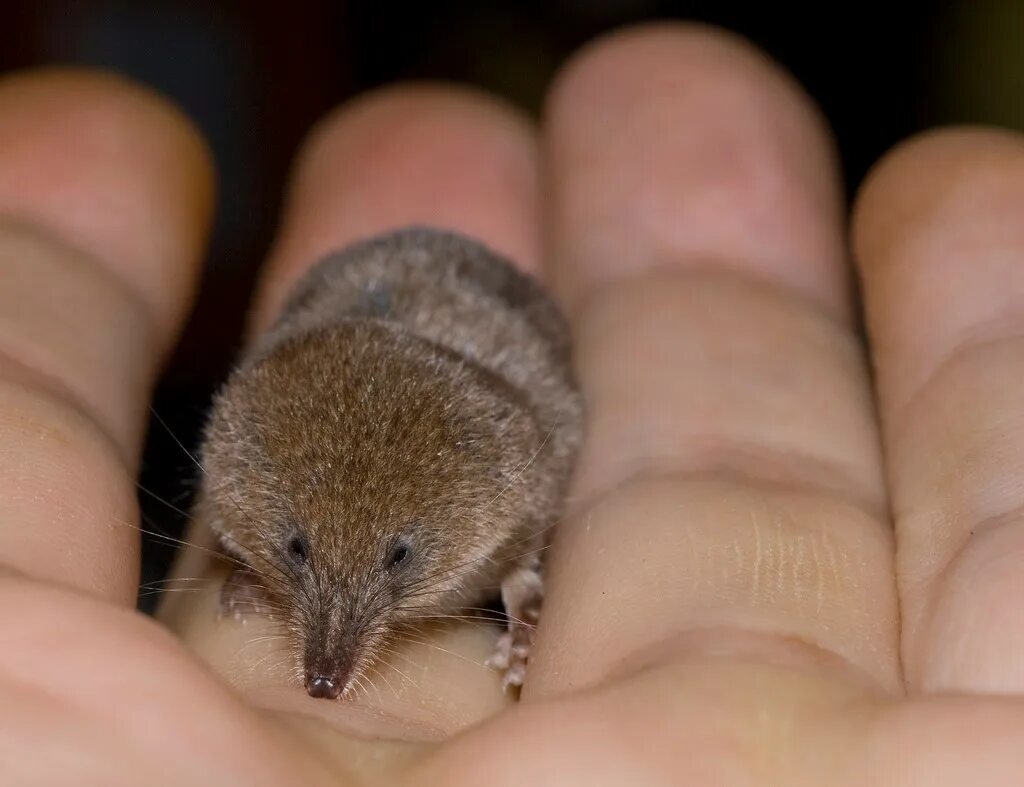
<point x="331" y="653"/>
<point x="322" y="686"/>
<point x="328" y="672"/>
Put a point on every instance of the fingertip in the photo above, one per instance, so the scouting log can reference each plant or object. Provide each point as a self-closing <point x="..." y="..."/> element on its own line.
<point x="935" y="231"/>
<point x="112" y="168"/>
<point x="675" y="144"/>
<point x="931" y="179"/>
<point x="616" y="57"/>
<point x="426" y="153"/>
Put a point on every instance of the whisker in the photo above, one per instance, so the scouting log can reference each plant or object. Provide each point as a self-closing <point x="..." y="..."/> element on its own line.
<point x="524" y="468"/>
<point x="421" y="587"/>
<point x="169" y="504"/>
<point x="503" y="618"/>
<point x="260" y="662"/>
<point x="174" y="437"/>
<point x="428" y="644"/>
<point x="153" y="583"/>
<point x="446" y="575"/>
<point x="181" y="542"/>
<point x="405" y="677"/>
<point x="384" y="678"/>
<point x="489" y="624"/>
<point x="258" y="641"/>
<point x="285" y="571"/>
<point x="160" y="591"/>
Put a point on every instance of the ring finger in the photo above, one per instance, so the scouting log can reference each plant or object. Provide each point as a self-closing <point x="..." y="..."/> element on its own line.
<point x="939" y="245"/>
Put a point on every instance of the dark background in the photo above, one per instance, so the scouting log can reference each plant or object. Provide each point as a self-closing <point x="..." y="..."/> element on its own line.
<point x="255" y="75"/>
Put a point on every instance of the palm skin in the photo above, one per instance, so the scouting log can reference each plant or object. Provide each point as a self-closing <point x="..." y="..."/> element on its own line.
<point x="727" y="604"/>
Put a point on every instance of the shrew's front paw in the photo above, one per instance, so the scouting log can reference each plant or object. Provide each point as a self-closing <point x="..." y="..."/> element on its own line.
<point x="241" y="595"/>
<point x="522" y="592"/>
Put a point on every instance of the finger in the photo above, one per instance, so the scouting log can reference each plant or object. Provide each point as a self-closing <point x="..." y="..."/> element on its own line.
<point x="729" y="498"/>
<point x="939" y="242"/>
<point x="105" y="195"/>
<point x="409" y="155"/>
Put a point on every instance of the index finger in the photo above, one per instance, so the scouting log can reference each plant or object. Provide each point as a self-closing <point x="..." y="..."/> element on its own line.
<point x="105" y="196"/>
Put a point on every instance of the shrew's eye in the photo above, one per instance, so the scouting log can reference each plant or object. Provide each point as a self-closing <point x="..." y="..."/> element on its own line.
<point x="298" y="548"/>
<point x="398" y="555"/>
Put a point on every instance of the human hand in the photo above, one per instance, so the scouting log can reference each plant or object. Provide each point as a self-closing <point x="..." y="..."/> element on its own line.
<point x="723" y="594"/>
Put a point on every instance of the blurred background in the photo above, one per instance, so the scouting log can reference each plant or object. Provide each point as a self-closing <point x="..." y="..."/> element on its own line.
<point x="255" y="75"/>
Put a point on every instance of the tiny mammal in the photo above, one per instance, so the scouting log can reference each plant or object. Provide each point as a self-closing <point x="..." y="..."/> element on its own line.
<point x="395" y="448"/>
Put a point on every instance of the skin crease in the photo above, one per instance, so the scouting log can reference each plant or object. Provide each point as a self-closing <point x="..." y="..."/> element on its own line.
<point x="722" y="605"/>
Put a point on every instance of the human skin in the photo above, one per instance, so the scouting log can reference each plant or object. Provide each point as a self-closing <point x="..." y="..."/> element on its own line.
<point x="724" y="591"/>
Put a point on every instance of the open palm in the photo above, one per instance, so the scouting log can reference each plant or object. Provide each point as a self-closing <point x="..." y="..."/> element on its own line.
<point x="725" y="593"/>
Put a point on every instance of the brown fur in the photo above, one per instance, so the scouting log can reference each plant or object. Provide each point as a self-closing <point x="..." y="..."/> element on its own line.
<point x="416" y="391"/>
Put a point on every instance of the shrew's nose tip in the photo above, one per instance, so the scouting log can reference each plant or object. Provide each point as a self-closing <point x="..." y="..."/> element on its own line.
<point x="320" y="686"/>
